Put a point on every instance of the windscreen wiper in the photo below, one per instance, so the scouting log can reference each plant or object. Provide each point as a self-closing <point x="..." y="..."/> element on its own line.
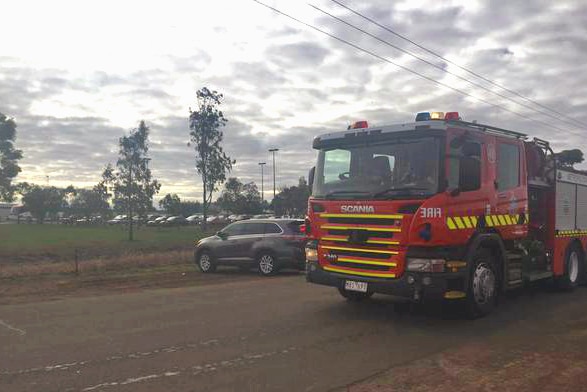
<point x="400" y="189"/>
<point x="332" y="193"/>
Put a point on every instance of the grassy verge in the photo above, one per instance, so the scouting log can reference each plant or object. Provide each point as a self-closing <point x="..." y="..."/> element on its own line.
<point x="57" y="243"/>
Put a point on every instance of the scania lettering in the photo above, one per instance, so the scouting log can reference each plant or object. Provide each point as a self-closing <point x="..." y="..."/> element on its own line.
<point x="442" y="209"/>
<point x="357" y="209"/>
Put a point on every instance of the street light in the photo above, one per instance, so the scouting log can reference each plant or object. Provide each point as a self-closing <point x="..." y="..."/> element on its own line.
<point x="273" y="150"/>
<point x="262" y="194"/>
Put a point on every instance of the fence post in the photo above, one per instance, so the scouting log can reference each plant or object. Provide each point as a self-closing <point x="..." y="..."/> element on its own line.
<point x="76" y="261"/>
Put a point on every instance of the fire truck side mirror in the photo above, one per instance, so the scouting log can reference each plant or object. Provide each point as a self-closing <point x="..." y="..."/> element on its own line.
<point x="311" y="177"/>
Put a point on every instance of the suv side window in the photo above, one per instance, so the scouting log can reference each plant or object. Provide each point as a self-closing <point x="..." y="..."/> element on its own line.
<point x="508" y="166"/>
<point x="252" y="228"/>
<point x="234" y="229"/>
<point x="272" y="228"/>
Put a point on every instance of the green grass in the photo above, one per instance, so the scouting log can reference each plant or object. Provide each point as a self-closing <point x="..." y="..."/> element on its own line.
<point x="57" y="242"/>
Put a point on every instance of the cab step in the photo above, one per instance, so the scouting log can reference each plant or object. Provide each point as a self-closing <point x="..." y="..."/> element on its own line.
<point x="538" y="275"/>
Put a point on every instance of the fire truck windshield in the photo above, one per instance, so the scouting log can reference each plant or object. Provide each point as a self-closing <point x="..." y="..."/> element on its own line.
<point x="397" y="169"/>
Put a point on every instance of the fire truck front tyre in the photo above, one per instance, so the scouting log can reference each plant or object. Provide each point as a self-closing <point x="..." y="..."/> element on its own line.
<point x="574" y="268"/>
<point x="354" y="296"/>
<point x="482" y="291"/>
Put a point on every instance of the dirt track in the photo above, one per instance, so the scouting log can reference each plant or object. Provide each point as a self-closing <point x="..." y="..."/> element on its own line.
<point x="239" y="332"/>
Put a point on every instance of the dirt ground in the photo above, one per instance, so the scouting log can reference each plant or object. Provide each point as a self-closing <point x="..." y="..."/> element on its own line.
<point x="551" y="357"/>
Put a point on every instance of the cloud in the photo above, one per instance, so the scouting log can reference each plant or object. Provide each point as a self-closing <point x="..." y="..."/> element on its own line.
<point x="284" y="84"/>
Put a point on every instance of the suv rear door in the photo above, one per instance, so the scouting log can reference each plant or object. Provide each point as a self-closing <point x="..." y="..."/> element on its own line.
<point x="242" y="245"/>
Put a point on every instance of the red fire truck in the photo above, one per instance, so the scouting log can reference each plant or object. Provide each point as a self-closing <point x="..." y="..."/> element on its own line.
<point x="441" y="208"/>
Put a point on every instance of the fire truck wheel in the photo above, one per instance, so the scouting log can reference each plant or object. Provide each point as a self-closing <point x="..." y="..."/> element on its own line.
<point x="354" y="296"/>
<point x="206" y="262"/>
<point x="573" y="269"/>
<point x="483" y="284"/>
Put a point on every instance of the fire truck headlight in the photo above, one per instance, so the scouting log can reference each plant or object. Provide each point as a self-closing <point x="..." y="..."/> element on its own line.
<point x="425" y="265"/>
<point x="311" y="251"/>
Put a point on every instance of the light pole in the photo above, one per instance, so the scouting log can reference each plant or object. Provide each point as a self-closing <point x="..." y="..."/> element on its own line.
<point x="274" y="150"/>
<point x="262" y="194"/>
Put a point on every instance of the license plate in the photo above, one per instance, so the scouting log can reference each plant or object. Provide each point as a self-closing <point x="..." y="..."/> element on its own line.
<point x="351" y="285"/>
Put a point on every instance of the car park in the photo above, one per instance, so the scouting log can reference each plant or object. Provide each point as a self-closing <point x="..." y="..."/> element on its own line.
<point x="175" y="221"/>
<point x="267" y="244"/>
<point x="195" y="219"/>
<point x="118" y="219"/>
<point x="157" y="221"/>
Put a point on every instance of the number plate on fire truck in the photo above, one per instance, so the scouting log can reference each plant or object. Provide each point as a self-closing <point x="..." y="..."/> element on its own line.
<point x="351" y="285"/>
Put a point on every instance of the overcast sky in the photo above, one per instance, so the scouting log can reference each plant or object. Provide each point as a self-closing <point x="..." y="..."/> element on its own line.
<point x="78" y="75"/>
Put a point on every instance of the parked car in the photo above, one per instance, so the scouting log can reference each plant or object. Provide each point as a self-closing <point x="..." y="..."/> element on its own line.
<point x="118" y="219"/>
<point x="175" y="221"/>
<point x="268" y="244"/>
<point x="157" y="221"/>
<point x="195" y="219"/>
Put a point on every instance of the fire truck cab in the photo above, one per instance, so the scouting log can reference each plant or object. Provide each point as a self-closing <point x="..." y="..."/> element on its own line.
<point x="443" y="209"/>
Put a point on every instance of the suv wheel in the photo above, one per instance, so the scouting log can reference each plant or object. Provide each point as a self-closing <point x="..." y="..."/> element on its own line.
<point x="206" y="262"/>
<point x="267" y="264"/>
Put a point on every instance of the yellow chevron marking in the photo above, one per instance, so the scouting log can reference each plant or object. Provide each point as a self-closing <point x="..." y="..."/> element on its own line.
<point x="451" y="225"/>
<point x="459" y="222"/>
<point x="495" y="220"/>
<point x="474" y="221"/>
<point x="515" y="219"/>
<point x="467" y="222"/>
<point x="344" y="271"/>
<point x="488" y="221"/>
<point x="508" y="219"/>
<point x="501" y="220"/>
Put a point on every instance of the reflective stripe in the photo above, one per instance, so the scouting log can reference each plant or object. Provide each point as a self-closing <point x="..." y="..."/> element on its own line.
<point x="380" y="216"/>
<point x="501" y="220"/>
<point x="347" y="260"/>
<point x="342" y="239"/>
<point x="387" y="252"/>
<point x="508" y="219"/>
<point x="331" y="227"/>
<point x="495" y="220"/>
<point x="350" y="272"/>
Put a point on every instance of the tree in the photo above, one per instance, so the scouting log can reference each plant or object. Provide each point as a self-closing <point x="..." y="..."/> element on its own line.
<point x="567" y="158"/>
<point x="240" y="198"/>
<point x="292" y="201"/>
<point x="171" y="204"/>
<point x="131" y="180"/>
<point x="40" y="201"/>
<point x="206" y="136"/>
<point x="9" y="157"/>
<point x="88" y="202"/>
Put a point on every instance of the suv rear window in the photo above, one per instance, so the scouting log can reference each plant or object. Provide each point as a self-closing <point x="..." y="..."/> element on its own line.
<point x="272" y="228"/>
<point x="295" y="226"/>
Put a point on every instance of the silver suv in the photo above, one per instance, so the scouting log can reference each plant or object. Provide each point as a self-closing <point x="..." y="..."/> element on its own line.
<point x="268" y="244"/>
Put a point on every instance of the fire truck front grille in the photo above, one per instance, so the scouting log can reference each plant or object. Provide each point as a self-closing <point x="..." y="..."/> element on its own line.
<point x="363" y="265"/>
<point x="342" y="252"/>
<point x="364" y="244"/>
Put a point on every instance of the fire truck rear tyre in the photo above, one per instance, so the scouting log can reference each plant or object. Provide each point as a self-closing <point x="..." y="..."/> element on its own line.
<point x="354" y="296"/>
<point x="574" y="269"/>
<point x="483" y="285"/>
